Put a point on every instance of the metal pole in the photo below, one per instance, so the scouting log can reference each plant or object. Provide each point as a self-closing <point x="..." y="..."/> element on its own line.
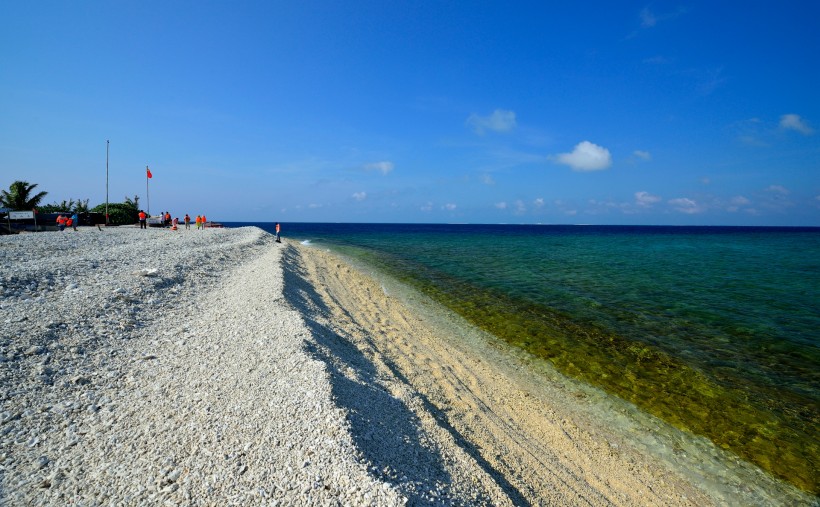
<point x="106" y="182"/>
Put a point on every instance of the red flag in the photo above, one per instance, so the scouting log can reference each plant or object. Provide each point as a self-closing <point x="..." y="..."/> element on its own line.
<point x="148" y="172"/>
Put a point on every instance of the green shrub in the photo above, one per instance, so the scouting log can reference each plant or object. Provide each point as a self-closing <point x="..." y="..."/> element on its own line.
<point x="119" y="213"/>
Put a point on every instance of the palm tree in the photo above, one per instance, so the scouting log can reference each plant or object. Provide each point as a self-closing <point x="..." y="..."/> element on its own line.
<point x="18" y="196"/>
<point x="66" y="205"/>
<point x="81" y="206"/>
<point x="134" y="203"/>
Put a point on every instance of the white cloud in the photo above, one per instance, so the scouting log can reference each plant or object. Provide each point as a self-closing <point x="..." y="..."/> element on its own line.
<point x="736" y="203"/>
<point x="643" y="155"/>
<point x="752" y="132"/>
<point x="709" y="80"/>
<point x="501" y="205"/>
<point x="686" y="205"/>
<point x="520" y="207"/>
<point x="775" y="198"/>
<point x="384" y="166"/>
<point x="487" y="179"/>
<point x="647" y="18"/>
<point x="650" y="19"/>
<point x="795" y="122"/>
<point x="646" y="199"/>
<point x="777" y="189"/>
<point x="449" y="206"/>
<point x="586" y="157"/>
<point x="360" y="196"/>
<point x="427" y="207"/>
<point x="538" y="203"/>
<point x="499" y="121"/>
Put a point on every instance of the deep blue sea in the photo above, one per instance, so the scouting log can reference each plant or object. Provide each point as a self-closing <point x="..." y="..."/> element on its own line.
<point x="714" y="329"/>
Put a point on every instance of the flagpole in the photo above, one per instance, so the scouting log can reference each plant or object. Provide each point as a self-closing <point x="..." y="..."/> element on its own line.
<point x="106" y="182"/>
<point x="147" y="197"/>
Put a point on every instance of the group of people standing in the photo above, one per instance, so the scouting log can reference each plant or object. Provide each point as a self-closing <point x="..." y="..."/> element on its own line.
<point x="64" y="221"/>
<point x="165" y="218"/>
<point x="72" y="221"/>
<point x="200" y="221"/>
<point x="174" y="224"/>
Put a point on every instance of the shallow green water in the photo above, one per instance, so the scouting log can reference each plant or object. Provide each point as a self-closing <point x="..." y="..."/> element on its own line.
<point x="714" y="330"/>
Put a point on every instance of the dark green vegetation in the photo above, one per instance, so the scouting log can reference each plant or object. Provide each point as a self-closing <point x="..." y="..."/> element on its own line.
<point x="119" y="213"/>
<point x="19" y="198"/>
<point x="72" y="206"/>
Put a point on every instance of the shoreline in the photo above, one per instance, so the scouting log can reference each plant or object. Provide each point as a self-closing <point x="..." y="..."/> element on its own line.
<point x="223" y="368"/>
<point x="499" y="398"/>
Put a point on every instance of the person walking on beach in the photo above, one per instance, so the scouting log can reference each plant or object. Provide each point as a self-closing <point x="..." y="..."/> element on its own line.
<point x="167" y="218"/>
<point x="204" y="221"/>
<point x="143" y="217"/>
<point x="187" y="221"/>
<point x="75" y="220"/>
<point x="61" y="220"/>
<point x="278" y="228"/>
<point x="198" y="221"/>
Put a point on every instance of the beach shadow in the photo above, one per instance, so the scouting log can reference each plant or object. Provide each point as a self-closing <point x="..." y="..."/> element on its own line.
<point x="384" y="430"/>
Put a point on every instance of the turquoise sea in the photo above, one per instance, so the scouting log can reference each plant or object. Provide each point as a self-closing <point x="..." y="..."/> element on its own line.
<point x="714" y="329"/>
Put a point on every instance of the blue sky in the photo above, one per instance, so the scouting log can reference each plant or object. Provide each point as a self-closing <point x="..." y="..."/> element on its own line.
<point x="371" y="111"/>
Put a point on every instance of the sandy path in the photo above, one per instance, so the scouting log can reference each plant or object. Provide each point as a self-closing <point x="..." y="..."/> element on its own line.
<point x="523" y="431"/>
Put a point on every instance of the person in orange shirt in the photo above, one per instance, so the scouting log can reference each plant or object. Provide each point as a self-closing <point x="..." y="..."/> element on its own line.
<point x="167" y="218"/>
<point x="61" y="220"/>
<point x="143" y="217"/>
<point x="198" y="221"/>
<point x="204" y="221"/>
<point x="187" y="221"/>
